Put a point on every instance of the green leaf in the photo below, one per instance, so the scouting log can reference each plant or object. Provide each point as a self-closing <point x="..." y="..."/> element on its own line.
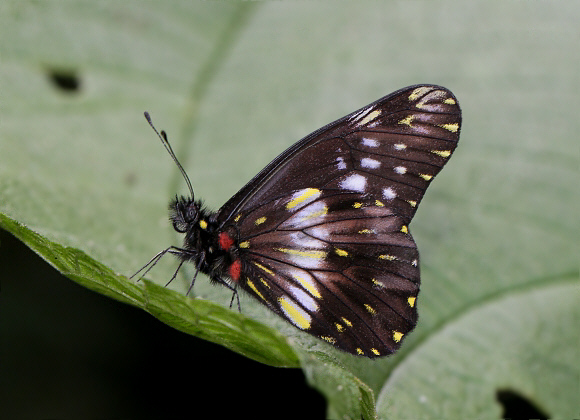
<point x="84" y="182"/>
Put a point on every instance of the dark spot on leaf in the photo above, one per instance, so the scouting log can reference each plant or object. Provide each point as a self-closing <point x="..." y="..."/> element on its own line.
<point x="517" y="407"/>
<point x="67" y="81"/>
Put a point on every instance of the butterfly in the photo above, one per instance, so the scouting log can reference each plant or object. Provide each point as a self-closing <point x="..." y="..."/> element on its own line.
<point x="321" y="235"/>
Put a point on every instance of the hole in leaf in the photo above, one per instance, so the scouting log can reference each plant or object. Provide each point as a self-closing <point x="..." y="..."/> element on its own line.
<point x="67" y="81"/>
<point x="517" y="407"/>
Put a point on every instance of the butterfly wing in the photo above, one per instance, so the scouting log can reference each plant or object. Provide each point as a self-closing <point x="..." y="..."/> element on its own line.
<point x="322" y="231"/>
<point x="390" y="149"/>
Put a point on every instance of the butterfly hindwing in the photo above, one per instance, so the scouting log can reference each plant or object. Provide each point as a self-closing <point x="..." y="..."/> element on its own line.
<point x="340" y="266"/>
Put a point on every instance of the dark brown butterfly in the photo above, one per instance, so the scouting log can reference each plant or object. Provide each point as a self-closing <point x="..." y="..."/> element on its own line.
<point x="321" y="235"/>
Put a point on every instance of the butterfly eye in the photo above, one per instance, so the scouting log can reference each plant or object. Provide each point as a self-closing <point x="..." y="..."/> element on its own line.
<point x="183" y="213"/>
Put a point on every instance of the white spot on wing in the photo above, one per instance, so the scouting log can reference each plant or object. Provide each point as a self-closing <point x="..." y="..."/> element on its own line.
<point x="340" y="164"/>
<point x="389" y="193"/>
<point x="370" y="142"/>
<point x="370" y="163"/>
<point x="400" y="170"/>
<point x="354" y="182"/>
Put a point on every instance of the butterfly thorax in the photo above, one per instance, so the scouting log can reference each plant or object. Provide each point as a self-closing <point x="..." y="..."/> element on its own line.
<point x="204" y="245"/>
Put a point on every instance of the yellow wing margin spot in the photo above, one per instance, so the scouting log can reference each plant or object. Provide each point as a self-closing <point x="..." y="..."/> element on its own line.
<point x="346" y="321"/>
<point x="404" y="229"/>
<point x="328" y="339"/>
<point x="411" y="301"/>
<point x="407" y="121"/>
<point x="418" y="92"/>
<point x="442" y="153"/>
<point x="449" y="101"/>
<point x="397" y="336"/>
<point x="450" y="127"/>
<point x="370" y="309"/>
<point x="375" y="352"/>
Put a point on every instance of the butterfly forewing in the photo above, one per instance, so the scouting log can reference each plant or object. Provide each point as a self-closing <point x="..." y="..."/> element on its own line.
<point x="391" y="149"/>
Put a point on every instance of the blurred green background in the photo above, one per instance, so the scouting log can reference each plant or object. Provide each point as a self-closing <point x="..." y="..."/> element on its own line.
<point x="234" y="85"/>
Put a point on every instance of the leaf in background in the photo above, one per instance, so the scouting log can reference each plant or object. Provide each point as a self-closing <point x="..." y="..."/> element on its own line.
<point x="234" y="85"/>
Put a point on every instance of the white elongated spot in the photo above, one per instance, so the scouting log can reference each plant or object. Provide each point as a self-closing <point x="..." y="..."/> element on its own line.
<point x="304" y="299"/>
<point x="354" y="182"/>
<point x="400" y="170"/>
<point x="370" y="163"/>
<point x="370" y="142"/>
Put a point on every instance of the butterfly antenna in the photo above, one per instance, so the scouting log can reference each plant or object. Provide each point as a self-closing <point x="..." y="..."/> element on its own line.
<point x="165" y="141"/>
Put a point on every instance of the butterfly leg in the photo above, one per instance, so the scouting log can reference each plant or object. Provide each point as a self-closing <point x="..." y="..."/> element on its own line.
<point x="153" y="261"/>
<point x="201" y="260"/>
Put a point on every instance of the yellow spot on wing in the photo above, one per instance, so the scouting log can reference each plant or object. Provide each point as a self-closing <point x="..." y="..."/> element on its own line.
<point x="450" y="127"/>
<point x="418" y="92"/>
<point x="260" y="220"/>
<point x="404" y="229"/>
<point x="314" y="214"/>
<point x="407" y="121"/>
<point x="359" y="351"/>
<point x="357" y="205"/>
<point x="245" y="244"/>
<point x="370" y="117"/>
<point x="449" y="101"/>
<point x="267" y="270"/>
<point x="347" y="322"/>
<point x="296" y="314"/>
<point x="375" y="351"/>
<point x="412" y="203"/>
<point x="387" y="257"/>
<point x="264" y="282"/>
<point x="363" y="231"/>
<point x="426" y="177"/>
<point x="308" y="286"/>
<point x="308" y="254"/>
<point x="442" y="153"/>
<point x="238" y="217"/>
<point x="203" y="224"/>
<point x="379" y="203"/>
<point x="397" y="336"/>
<point x="331" y="340"/>
<point x="339" y="327"/>
<point x="341" y="252"/>
<point x="253" y="287"/>
<point x="411" y="301"/>
<point x="305" y="195"/>
<point x="370" y="309"/>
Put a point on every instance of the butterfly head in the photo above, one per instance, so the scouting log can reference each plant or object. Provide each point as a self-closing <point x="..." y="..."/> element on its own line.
<point x="184" y="213"/>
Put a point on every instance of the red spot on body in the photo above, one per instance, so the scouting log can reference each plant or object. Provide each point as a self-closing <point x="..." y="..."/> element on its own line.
<point x="225" y="241"/>
<point x="235" y="270"/>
